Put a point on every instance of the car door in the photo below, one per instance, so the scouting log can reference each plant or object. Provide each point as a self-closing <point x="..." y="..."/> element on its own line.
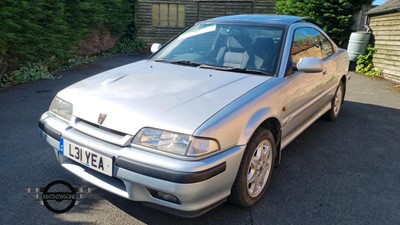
<point x="306" y="91"/>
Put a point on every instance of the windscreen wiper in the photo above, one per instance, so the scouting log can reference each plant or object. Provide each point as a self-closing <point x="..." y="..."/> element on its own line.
<point x="185" y="63"/>
<point x="199" y="65"/>
<point x="236" y="69"/>
<point x="244" y="70"/>
<point x="179" y="62"/>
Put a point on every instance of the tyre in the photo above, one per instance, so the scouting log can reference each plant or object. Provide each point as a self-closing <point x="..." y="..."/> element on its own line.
<point x="336" y="103"/>
<point x="255" y="169"/>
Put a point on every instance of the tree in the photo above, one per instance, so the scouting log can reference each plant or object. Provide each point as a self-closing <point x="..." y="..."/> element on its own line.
<point x="333" y="16"/>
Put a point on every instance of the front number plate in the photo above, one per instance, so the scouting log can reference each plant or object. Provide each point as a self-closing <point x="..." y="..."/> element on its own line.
<point x="87" y="157"/>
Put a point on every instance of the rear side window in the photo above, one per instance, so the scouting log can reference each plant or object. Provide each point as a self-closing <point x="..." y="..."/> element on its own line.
<point x="309" y="42"/>
<point x="326" y="45"/>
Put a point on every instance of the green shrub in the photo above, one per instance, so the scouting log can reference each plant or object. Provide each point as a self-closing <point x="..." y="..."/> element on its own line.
<point x="129" y="45"/>
<point x="49" y="32"/>
<point x="333" y="16"/>
<point x="79" y="60"/>
<point x="365" y="64"/>
<point x="28" y="73"/>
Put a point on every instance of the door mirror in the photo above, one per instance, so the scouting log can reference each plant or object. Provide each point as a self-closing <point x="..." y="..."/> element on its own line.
<point x="155" y="47"/>
<point x="310" y="65"/>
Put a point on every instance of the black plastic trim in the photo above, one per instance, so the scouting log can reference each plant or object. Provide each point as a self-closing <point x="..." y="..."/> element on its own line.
<point x="49" y="131"/>
<point x="170" y="175"/>
<point x="278" y="149"/>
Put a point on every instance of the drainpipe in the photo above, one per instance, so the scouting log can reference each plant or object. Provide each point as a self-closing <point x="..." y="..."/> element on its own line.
<point x="366" y="23"/>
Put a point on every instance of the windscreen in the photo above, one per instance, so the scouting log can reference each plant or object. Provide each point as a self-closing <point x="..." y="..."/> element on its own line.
<point x="234" y="46"/>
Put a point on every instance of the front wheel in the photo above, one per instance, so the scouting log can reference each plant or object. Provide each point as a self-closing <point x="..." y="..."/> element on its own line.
<point x="255" y="169"/>
<point x="336" y="103"/>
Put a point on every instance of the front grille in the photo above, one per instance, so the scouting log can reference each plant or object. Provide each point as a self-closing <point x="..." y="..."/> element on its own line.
<point x="102" y="133"/>
<point x="102" y="128"/>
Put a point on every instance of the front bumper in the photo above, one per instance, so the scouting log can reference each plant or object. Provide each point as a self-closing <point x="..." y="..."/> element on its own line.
<point x="140" y="175"/>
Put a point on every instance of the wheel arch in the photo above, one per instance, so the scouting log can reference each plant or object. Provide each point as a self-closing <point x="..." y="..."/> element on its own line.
<point x="271" y="123"/>
<point x="274" y="125"/>
<point x="344" y="80"/>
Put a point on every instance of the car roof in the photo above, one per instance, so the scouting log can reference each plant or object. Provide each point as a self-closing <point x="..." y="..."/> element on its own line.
<point x="259" y="19"/>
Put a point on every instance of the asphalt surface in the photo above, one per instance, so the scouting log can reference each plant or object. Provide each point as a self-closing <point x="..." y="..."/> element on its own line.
<point x="342" y="172"/>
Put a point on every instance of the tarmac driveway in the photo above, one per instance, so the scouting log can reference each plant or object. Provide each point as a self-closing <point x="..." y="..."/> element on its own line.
<point x="342" y="172"/>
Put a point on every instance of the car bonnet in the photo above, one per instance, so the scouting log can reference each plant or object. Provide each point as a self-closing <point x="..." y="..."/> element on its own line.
<point x="154" y="94"/>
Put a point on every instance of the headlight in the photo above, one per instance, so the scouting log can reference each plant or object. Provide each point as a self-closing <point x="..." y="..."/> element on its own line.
<point x="175" y="143"/>
<point x="61" y="108"/>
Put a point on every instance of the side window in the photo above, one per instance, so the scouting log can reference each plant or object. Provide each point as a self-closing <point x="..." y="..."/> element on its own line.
<point x="326" y="45"/>
<point x="306" y="44"/>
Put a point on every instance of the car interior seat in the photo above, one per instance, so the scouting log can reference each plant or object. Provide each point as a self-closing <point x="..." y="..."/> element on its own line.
<point x="265" y="53"/>
<point x="235" y="55"/>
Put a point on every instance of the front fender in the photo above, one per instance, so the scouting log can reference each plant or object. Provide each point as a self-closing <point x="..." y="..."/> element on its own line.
<point x="235" y="124"/>
<point x="252" y="124"/>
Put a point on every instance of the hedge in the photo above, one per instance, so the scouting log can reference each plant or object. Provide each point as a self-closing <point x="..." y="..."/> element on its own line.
<point x="50" y="32"/>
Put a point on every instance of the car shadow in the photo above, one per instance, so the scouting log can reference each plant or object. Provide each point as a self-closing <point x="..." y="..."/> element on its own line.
<point x="341" y="172"/>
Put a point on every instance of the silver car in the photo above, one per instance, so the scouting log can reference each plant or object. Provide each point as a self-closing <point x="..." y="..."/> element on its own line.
<point x="205" y="118"/>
